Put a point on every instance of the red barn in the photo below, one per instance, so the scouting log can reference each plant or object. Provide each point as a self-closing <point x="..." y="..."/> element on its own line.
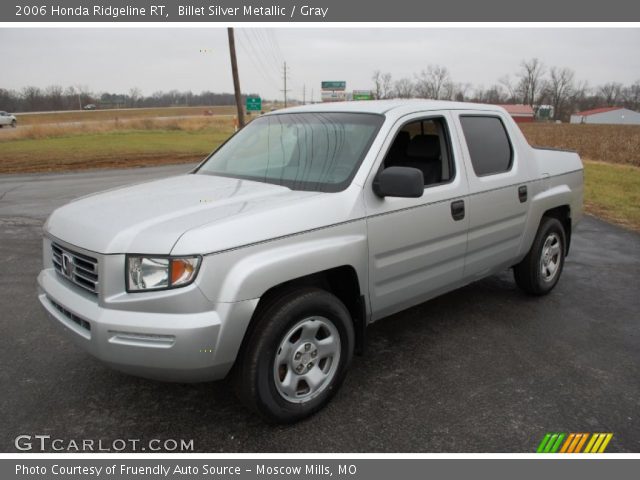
<point x="520" y="113"/>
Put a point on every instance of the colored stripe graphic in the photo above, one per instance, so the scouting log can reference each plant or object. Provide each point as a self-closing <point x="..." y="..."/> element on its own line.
<point x="573" y="442"/>
<point x="581" y="443"/>
<point x="550" y="443"/>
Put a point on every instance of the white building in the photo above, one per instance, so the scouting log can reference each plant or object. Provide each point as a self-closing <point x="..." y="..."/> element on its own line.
<point x="607" y="115"/>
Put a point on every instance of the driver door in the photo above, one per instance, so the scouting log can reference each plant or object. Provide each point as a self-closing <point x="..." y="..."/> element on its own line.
<point x="417" y="246"/>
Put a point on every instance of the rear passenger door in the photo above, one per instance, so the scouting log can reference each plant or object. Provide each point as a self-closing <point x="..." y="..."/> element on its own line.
<point x="497" y="204"/>
<point x="417" y="245"/>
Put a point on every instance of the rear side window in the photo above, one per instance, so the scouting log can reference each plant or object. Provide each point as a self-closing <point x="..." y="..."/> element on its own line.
<point x="488" y="144"/>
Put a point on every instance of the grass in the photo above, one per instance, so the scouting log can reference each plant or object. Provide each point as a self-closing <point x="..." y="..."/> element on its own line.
<point x="132" y="146"/>
<point x="613" y="192"/>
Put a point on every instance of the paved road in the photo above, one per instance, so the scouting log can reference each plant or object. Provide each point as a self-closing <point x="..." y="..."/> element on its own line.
<point x="483" y="369"/>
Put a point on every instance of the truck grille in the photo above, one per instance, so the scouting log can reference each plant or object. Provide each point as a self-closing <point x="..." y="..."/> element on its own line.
<point x="81" y="322"/>
<point x="79" y="269"/>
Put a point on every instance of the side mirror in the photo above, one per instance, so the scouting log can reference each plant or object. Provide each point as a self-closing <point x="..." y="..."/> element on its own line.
<point x="399" y="182"/>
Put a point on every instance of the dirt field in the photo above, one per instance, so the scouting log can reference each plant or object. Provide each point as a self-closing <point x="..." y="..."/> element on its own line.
<point x="119" y="114"/>
<point x="604" y="143"/>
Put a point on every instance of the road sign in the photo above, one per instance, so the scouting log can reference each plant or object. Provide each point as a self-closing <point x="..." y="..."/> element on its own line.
<point x="254" y="104"/>
<point x="330" y="96"/>
<point x="362" y="95"/>
<point x="333" y="85"/>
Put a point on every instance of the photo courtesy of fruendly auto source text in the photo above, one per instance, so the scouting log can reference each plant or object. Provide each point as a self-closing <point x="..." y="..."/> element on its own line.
<point x="258" y="239"/>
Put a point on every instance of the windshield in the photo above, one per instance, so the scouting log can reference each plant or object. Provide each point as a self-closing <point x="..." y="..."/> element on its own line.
<point x="301" y="151"/>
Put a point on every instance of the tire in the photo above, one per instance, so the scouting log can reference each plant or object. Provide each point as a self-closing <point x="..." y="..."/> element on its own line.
<point x="540" y="270"/>
<point x="287" y="372"/>
<point x="14" y="124"/>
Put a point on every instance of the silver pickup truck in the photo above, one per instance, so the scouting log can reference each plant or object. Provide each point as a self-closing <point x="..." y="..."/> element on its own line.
<point x="269" y="260"/>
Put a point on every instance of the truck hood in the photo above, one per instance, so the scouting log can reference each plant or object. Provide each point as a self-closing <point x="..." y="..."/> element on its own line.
<point x="151" y="217"/>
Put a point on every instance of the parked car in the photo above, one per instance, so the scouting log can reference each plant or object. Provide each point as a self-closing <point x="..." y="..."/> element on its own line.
<point x="8" y="119"/>
<point x="89" y="106"/>
<point x="269" y="260"/>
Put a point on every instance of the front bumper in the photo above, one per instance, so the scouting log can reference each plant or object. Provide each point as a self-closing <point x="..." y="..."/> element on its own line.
<point x="171" y="346"/>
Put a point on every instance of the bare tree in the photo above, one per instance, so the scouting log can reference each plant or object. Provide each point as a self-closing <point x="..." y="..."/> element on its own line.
<point x="434" y="82"/>
<point x="387" y="86"/>
<point x="531" y="81"/>
<point x="611" y="93"/>
<point x="382" y="85"/>
<point x="403" y="88"/>
<point x="134" y="95"/>
<point x="507" y="84"/>
<point x="560" y="89"/>
<point x="32" y="98"/>
<point x="631" y="96"/>
<point x="54" y="97"/>
<point x="460" y="91"/>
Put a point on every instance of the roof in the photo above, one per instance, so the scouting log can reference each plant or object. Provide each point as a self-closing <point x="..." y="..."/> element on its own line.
<point x="518" y="109"/>
<point x="586" y="113"/>
<point x="397" y="106"/>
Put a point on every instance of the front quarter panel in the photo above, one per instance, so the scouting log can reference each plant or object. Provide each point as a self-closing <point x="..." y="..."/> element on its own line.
<point x="247" y="273"/>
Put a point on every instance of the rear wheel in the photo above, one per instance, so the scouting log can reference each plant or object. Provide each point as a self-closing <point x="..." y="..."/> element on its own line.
<point x="296" y="356"/>
<point x="540" y="270"/>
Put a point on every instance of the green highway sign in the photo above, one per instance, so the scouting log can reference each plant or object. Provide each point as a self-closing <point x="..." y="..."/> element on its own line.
<point x="362" y="95"/>
<point x="334" y="85"/>
<point x="254" y="104"/>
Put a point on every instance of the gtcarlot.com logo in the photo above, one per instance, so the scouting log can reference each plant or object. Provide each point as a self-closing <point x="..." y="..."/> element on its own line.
<point x="574" y="443"/>
<point x="45" y="443"/>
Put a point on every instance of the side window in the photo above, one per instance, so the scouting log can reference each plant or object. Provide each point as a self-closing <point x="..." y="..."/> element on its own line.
<point x="488" y="144"/>
<point x="425" y="145"/>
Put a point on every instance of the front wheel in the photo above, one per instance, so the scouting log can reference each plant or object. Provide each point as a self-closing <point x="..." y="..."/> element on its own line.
<point x="14" y="124"/>
<point x="296" y="356"/>
<point x="540" y="270"/>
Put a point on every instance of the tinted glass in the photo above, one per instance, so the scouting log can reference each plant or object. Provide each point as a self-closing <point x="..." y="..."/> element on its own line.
<point x="302" y="151"/>
<point x="488" y="144"/>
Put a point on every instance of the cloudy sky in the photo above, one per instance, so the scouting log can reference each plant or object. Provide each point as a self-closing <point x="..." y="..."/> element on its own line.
<point x="117" y="59"/>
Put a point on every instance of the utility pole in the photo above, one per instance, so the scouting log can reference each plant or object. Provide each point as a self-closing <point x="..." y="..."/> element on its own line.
<point x="236" y="78"/>
<point x="304" y="94"/>
<point x="79" y="96"/>
<point x="285" y="73"/>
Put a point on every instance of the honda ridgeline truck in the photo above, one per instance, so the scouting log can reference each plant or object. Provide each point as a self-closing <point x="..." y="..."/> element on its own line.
<point x="269" y="260"/>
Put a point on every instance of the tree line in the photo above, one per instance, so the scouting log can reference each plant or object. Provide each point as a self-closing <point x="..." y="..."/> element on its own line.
<point x="533" y="84"/>
<point x="55" y="97"/>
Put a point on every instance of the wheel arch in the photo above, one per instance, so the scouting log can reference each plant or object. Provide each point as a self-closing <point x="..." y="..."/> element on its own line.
<point x="561" y="213"/>
<point x="342" y="281"/>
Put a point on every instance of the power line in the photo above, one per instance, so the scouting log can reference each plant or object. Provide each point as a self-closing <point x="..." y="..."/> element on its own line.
<point x="268" y="48"/>
<point x="255" y="59"/>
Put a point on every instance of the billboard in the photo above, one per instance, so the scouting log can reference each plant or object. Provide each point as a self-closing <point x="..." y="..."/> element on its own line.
<point x="334" y="85"/>
<point x="330" y="96"/>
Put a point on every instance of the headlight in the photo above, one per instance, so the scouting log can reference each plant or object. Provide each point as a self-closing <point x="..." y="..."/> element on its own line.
<point x="160" y="273"/>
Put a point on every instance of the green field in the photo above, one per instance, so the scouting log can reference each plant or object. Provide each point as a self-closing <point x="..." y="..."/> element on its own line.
<point x="613" y="192"/>
<point x="112" y="148"/>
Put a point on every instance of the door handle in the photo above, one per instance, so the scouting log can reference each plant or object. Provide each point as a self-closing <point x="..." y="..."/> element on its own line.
<point x="522" y="193"/>
<point x="457" y="210"/>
